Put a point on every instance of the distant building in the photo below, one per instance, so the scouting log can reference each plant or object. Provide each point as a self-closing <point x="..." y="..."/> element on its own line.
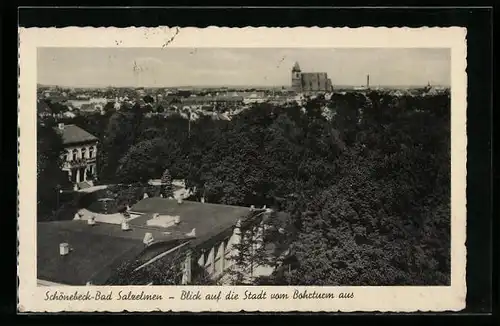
<point x="310" y="81"/>
<point x="80" y="153"/>
<point x="201" y="236"/>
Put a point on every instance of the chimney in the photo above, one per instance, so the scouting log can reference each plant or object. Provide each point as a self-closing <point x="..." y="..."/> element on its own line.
<point x="125" y="225"/>
<point x="128" y="208"/>
<point x="192" y="233"/>
<point x="237" y="232"/>
<point x="60" y="125"/>
<point x="145" y="196"/>
<point x="156" y="215"/>
<point x="252" y="208"/>
<point x="63" y="249"/>
<point x="91" y="221"/>
<point x="179" y="200"/>
<point x="77" y="217"/>
<point x="367" y="81"/>
<point x="237" y="226"/>
<point x="148" y="238"/>
<point x="177" y="219"/>
<point x="202" y="199"/>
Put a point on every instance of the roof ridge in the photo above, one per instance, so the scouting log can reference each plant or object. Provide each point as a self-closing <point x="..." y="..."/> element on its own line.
<point x="192" y="201"/>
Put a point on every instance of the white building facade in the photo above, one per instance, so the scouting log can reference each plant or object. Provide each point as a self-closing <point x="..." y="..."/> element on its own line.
<point x="80" y="156"/>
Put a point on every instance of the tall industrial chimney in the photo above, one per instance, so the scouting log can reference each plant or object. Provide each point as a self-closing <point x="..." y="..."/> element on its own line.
<point x="367" y="81"/>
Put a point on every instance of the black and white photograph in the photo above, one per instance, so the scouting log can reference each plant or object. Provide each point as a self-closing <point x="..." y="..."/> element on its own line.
<point x="282" y="167"/>
<point x="243" y="166"/>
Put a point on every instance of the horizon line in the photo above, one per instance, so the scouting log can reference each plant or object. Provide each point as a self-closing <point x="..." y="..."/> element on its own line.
<point x="227" y="86"/>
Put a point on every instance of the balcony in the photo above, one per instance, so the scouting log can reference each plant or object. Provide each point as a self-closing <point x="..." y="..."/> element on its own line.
<point x="79" y="162"/>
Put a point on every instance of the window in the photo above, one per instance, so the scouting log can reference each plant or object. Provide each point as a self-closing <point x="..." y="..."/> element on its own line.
<point x="91" y="152"/>
<point x="75" y="154"/>
<point x="84" y="152"/>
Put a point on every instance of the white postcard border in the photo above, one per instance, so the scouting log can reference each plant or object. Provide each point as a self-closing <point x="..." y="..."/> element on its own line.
<point x="400" y="298"/>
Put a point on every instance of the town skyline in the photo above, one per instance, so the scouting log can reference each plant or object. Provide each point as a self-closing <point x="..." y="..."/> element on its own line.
<point x="238" y="67"/>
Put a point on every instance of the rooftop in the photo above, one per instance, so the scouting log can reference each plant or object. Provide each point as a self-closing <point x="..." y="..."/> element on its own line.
<point x="207" y="219"/>
<point x="95" y="252"/>
<point x="72" y="134"/>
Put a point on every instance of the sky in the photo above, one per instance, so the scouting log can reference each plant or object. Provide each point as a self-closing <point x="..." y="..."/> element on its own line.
<point x="175" y="67"/>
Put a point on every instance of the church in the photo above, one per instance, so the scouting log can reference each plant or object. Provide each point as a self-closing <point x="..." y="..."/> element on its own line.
<point x="304" y="82"/>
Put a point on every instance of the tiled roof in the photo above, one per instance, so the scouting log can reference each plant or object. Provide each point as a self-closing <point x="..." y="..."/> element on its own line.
<point x="96" y="250"/>
<point x="72" y="134"/>
<point x="207" y="219"/>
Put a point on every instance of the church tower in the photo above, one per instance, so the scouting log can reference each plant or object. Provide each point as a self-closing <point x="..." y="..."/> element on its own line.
<point x="296" y="78"/>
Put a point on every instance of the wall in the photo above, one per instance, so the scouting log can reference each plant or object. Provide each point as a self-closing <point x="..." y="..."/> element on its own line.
<point x="82" y="152"/>
<point x="315" y="82"/>
<point x="218" y="260"/>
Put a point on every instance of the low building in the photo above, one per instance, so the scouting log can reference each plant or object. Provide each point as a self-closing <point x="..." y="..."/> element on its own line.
<point x="203" y="235"/>
<point x="79" y="159"/>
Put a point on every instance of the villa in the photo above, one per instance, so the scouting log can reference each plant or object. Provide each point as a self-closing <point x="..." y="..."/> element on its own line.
<point x="80" y="154"/>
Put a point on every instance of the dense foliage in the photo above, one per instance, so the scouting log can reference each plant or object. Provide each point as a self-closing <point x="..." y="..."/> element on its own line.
<point x="51" y="180"/>
<point x="365" y="178"/>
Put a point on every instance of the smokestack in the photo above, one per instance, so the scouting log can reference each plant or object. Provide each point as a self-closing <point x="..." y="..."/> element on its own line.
<point x="367" y="81"/>
<point x="63" y="249"/>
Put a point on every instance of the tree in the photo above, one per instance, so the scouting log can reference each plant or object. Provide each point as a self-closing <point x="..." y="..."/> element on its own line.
<point x="120" y="135"/>
<point x="166" y="185"/>
<point x="373" y="225"/>
<point x="365" y="179"/>
<point x="149" y="99"/>
<point x="109" y="108"/>
<point x="147" y="159"/>
<point x="50" y="178"/>
<point x="261" y="243"/>
<point x="166" y="271"/>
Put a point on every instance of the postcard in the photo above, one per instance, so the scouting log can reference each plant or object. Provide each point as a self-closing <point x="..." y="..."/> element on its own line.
<point x="242" y="169"/>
